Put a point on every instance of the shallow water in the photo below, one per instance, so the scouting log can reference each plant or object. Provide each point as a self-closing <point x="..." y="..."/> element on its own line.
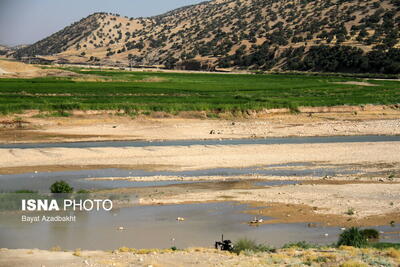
<point x="275" y="183"/>
<point x="156" y="227"/>
<point x="42" y="181"/>
<point x="257" y="141"/>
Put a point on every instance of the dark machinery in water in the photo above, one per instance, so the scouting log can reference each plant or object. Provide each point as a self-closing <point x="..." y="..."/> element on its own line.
<point x="224" y="245"/>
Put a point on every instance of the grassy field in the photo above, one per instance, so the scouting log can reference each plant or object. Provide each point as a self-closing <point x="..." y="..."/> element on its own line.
<point x="173" y="92"/>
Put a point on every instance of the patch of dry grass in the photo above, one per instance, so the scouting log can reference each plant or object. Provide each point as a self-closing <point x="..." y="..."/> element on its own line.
<point x="77" y="252"/>
<point x="55" y="249"/>
<point x="353" y="264"/>
<point x="393" y="253"/>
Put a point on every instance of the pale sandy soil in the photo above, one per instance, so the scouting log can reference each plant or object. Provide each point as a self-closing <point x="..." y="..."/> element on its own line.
<point x="365" y="199"/>
<point x="358" y="83"/>
<point x="202" y="257"/>
<point x="172" y="129"/>
<point x="103" y="125"/>
<point x="204" y="157"/>
<point x="3" y="71"/>
<point x="175" y="128"/>
<point x="14" y="69"/>
<point x="339" y="179"/>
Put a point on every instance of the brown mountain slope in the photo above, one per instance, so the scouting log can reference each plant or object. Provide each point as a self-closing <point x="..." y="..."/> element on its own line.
<point x="229" y="33"/>
<point x="4" y="50"/>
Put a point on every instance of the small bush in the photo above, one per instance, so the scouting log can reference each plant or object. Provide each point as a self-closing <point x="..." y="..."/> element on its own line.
<point x="60" y="113"/>
<point x="301" y="244"/>
<point x="293" y="107"/>
<point x="77" y="252"/>
<point x="352" y="237"/>
<point x="61" y="187"/>
<point x="350" y="211"/>
<point x="370" y="233"/>
<point x="393" y="253"/>
<point x="55" y="249"/>
<point x="250" y="245"/>
<point x="124" y="249"/>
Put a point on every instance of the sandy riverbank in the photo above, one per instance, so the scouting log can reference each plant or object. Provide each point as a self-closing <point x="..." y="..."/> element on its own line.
<point x="98" y="126"/>
<point x="371" y="204"/>
<point x="204" y="157"/>
<point x="328" y="201"/>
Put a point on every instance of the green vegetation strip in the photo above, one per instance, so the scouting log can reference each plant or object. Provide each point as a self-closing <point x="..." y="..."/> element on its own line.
<point x="175" y="92"/>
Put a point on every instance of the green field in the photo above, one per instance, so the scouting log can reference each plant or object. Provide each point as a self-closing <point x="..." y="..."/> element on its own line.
<point x="173" y="92"/>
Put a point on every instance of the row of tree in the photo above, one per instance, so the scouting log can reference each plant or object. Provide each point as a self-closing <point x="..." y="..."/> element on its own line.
<point x="322" y="58"/>
<point x="344" y="59"/>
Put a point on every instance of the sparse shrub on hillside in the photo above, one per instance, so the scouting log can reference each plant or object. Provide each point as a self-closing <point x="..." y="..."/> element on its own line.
<point x="337" y="36"/>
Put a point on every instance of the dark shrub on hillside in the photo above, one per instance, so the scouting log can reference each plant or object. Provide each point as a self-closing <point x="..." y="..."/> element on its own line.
<point x="334" y="59"/>
<point x="344" y="59"/>
<point x="380" y="61"/>
<point x="170" y="62"/>
<point x="191" y="65"/>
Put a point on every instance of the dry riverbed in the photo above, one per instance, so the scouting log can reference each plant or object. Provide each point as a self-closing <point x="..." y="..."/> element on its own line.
<point x="100" y="126"/>
<point x="205" y="156"/>
<point x="376" y="201"/>
<point x="368" y="197"/>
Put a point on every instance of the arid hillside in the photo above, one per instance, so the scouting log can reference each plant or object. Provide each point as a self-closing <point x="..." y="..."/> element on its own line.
<point x="338" y="35"/>
<point x="4" y="50"/>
